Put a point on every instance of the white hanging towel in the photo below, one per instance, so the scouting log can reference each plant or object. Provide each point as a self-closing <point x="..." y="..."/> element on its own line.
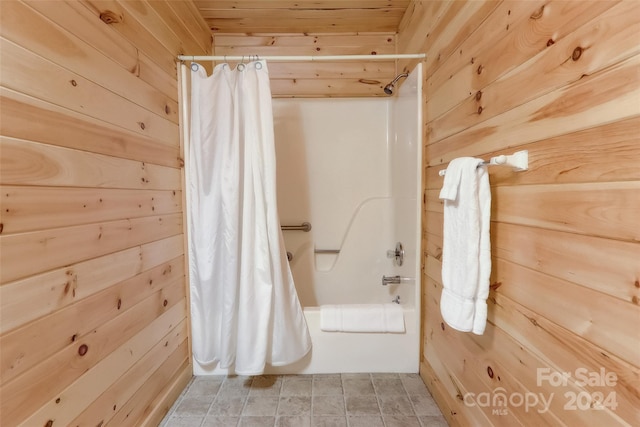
<point x="466" y="252"/>
<point x="362" y="318"/>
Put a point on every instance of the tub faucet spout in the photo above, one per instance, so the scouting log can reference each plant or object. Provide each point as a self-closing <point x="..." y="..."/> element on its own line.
<point x="386" y="280"/>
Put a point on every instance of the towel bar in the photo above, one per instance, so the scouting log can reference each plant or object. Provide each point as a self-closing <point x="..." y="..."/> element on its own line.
<point x="518" y="160"/>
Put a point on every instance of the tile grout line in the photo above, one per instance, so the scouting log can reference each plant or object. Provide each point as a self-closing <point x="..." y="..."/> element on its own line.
<point x="344" y="399"/>
<point x="215" y="396"/>
<point x="280" y="381"/>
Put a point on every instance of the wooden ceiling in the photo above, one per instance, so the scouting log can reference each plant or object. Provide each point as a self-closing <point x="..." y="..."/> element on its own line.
<point x="302" y="16"/>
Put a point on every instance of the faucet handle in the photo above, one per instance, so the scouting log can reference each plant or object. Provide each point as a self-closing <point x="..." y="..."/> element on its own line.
<point x="397" y="254"/>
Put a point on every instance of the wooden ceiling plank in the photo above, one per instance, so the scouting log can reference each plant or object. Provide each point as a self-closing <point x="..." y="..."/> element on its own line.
<point x="251" y="16"/>
<point x="305" y="50"/>
<point x="248" y="25"/>
<point x="299" y="40"/>
<point x="300" y="4"/>
<point x="378" y="70"/>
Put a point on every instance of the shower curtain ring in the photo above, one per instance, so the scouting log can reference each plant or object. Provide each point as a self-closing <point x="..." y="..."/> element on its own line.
<point x="194" y="66"/>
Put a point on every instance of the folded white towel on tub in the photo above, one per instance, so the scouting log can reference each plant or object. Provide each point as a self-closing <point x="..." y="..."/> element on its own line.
<point x="362" y="318"/>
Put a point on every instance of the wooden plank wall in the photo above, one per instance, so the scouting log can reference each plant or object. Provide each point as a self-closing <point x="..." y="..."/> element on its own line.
<point x="562" y="80"/>
<point x="94" y="327"/>
<point x="318" y="79"/>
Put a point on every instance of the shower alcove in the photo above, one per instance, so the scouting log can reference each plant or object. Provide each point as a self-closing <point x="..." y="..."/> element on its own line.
<point x="351" y="167"/>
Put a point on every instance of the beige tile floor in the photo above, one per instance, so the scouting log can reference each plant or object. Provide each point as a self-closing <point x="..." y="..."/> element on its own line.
<point x="328" y="400"/>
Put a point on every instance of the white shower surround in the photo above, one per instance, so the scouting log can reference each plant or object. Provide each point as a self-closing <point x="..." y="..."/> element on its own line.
<point x="351" y="168"/>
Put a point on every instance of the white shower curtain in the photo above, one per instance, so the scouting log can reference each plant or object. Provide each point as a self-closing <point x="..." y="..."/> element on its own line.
<point x="244" y="307"/>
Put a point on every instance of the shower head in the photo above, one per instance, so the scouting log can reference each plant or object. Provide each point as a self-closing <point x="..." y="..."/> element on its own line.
<point x="388" y="89"/>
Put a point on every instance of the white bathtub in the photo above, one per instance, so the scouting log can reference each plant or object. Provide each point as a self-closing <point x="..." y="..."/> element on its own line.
<point x="358" y="352"/>
<point x="342" y="352"/>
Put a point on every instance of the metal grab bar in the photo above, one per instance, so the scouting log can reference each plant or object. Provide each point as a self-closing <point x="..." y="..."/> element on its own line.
<point x="327" y="251"/>
<point x="305" y="226"/>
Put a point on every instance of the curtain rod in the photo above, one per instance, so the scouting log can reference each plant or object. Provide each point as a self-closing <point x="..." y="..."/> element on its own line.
<point x="300" y="57"/>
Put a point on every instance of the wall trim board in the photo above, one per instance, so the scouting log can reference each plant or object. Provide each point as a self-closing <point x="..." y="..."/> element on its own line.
<point x="184" y="85"/>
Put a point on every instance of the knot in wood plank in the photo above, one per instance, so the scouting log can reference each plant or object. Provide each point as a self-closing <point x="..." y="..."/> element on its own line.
<point x="110" y="17"/>
<point x="577" y="53"/>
